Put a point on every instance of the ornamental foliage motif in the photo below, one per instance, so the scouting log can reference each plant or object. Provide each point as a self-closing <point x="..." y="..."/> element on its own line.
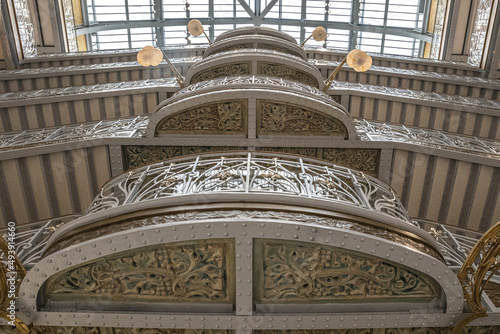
<point x="138" y="156"/>
<point x="287" y="73"/>
<point x="222" y="71"/>
<point x="173" y="273"/>
<point x="365" y="160"/>
<point x="227" y="117"/>
<point x="299" y="272"/>
<point x="281" y="118"/>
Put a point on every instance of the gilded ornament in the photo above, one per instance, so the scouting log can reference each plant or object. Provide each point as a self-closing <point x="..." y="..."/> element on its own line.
<point x="280" y="118"/>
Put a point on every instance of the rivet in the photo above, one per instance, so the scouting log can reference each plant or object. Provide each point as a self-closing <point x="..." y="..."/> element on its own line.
<point x="278" y="234"/>
<point x="160" y="239"/>
<point x="297" y="227"/>
<point x="295" y="236"/>
<point x="311" y="238"/>
<point x="192" y="235"/>
<point x="346" y="235"/>
<point x="377" y="243"/>
<point x="110" y="241"/>
<point x="191" y="227"/>
<point x="64" y="255"/>
<point x="244" y="224"/>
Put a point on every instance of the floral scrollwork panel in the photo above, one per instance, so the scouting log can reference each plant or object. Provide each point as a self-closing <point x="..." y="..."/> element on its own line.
<point x="286" y="119"/>
<point x="288" y="73"/>
<point x="300" y="271"/>
<point x="365" y="160"/>
<point x="222" y="71"/>
<point x="226" y="117"/>
<point x="138" y="156"/>
<point x="200" y="272"/>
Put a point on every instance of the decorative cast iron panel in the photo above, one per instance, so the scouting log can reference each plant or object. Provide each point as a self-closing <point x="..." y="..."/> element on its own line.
<point x="286" y="72"/>
<point x="138" y="156"/>
<point x="365" y="160"/>
<point x="305" y="272"/>
<point x="228" y="117"/>
<point x="227" y="70"/>
<point x="196" y="272"/>
<point x="286" y="119"/>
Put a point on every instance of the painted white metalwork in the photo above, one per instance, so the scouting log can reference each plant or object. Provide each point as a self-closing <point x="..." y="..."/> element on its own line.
<point x="122" y="128"/>
<point x="69" y="21"/>
<point x="231" y="81"/>
<point x="30" y="242"/>
<point x="90" y="89"/>
<point x="414" y="94"/>
<point x="26" y="30"/>
<point x="479" y="32"/>
<point x="375" y="131"/>
<point x="455" y="243"/>
<point x="252" y="173"/>
<point x="438" y="29"/>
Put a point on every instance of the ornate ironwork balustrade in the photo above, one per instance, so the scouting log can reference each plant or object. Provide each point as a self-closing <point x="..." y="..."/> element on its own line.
<point x="376" y="131"/>
<point x="250" y="173"/>
<point x="122" y="128"/>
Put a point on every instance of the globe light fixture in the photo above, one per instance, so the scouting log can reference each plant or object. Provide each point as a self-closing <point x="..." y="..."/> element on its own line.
<point x="195" y="28"/>
<point x="319" y="34"/>
<point x="359" y="60"/>
<point x="151" y="56"/>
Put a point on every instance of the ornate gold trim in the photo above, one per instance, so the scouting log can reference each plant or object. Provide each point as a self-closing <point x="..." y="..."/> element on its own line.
<point x="479" y="267"/>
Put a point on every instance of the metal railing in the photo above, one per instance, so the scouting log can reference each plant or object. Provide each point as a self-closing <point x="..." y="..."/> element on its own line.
<point x="244" y="172"/>
<point x="122" y="128"/>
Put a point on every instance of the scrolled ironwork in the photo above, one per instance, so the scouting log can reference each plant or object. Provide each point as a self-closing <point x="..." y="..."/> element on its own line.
<point x="375" y="131"/>
<point x="253" y="173"/>
<point x="122" y="128"/>
<point x="257" y="80"/>
<point x="413" y="94"/>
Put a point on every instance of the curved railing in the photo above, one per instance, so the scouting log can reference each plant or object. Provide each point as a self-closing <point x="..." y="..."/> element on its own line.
<point x="243" y="172"/>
